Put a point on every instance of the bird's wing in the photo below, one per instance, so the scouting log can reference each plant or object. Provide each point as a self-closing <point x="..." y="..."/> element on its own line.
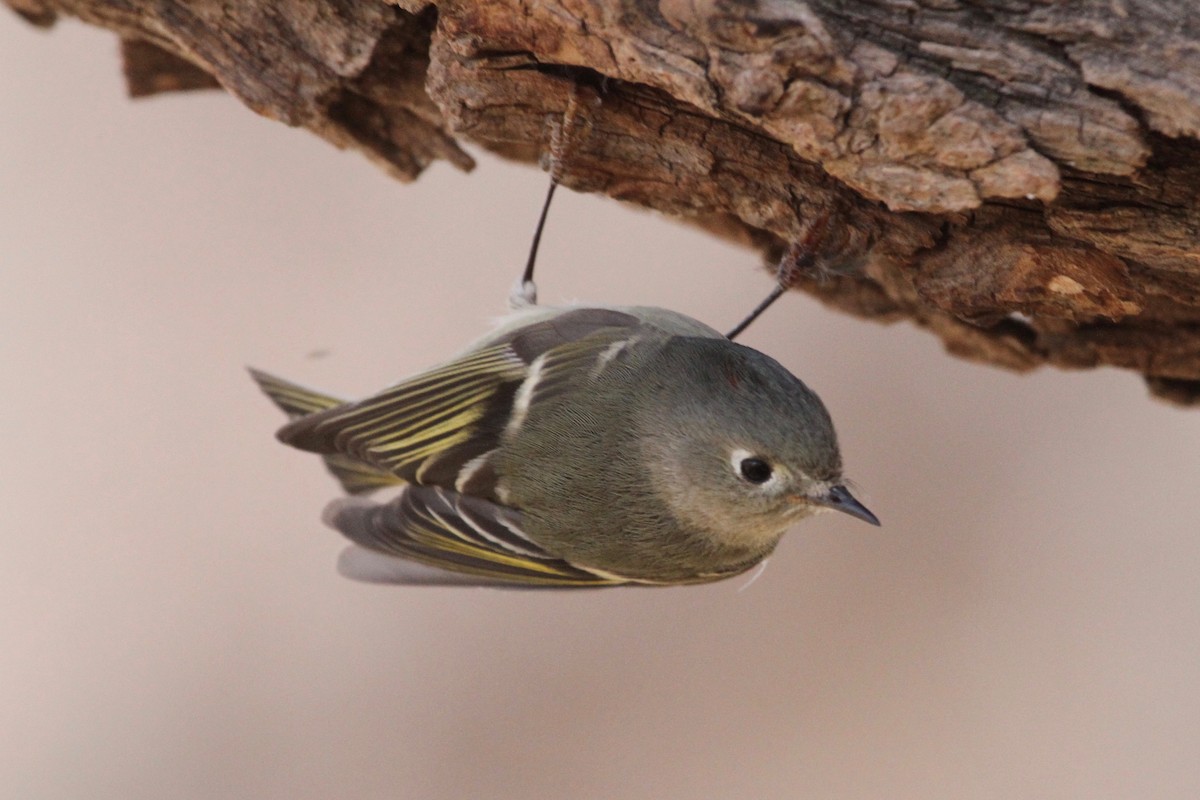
<point x="432" y="535"/>
<point x="438" y="428"/>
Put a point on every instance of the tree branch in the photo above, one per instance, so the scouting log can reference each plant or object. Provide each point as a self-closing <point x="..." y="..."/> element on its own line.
<point x="1023" y="178"/>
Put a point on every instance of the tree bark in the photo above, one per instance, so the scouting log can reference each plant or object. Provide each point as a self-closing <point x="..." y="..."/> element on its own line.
<point x="1022" y="177"/>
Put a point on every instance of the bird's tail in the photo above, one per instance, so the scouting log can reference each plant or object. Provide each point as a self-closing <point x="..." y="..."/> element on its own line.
<point x="356" y="477"/>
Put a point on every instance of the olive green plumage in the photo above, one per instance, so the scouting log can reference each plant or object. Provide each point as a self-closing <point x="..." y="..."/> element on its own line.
<point x="576" y="447"/>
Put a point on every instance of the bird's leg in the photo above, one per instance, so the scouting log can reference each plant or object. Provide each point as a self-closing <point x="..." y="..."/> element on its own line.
<point x="524" y="291"/>
<point x="799" y="257"/>
<point x="562" y="135"/>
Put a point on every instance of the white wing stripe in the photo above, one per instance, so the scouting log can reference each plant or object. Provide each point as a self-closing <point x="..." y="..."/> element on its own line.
<point x="521" y="402"/>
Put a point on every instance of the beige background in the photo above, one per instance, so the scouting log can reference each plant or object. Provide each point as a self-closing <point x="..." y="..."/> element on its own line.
<point x="1026" y="624"/>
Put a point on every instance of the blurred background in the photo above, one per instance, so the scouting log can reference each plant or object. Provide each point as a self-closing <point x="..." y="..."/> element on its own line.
<point x="1026" y="623"/>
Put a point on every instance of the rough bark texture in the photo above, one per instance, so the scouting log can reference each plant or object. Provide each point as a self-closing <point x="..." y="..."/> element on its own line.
<point x="1021" y="177"/>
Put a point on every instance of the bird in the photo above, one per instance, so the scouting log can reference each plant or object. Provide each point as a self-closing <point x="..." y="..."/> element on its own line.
<point x="575" y="447"/>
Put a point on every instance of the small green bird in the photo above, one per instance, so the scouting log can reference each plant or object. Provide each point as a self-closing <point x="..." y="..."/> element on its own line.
<point x="576" y="447"/>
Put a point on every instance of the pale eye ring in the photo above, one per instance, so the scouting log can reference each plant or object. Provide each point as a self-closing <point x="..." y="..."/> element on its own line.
<point x="755" y="470"/>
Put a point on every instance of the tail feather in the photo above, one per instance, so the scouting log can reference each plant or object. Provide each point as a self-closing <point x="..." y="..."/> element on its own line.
<point x="356" y="477"/>
<point x="359" y="477"/>
<point x="293" y="399"/>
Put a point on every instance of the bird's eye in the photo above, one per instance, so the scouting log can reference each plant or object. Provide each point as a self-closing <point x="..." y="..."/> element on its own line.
<point x="755" y="470"/>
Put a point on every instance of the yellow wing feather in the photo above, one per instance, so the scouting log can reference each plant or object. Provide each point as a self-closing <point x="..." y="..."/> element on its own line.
<point x="400" y="428"/>
<point x="460" y="534"/>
